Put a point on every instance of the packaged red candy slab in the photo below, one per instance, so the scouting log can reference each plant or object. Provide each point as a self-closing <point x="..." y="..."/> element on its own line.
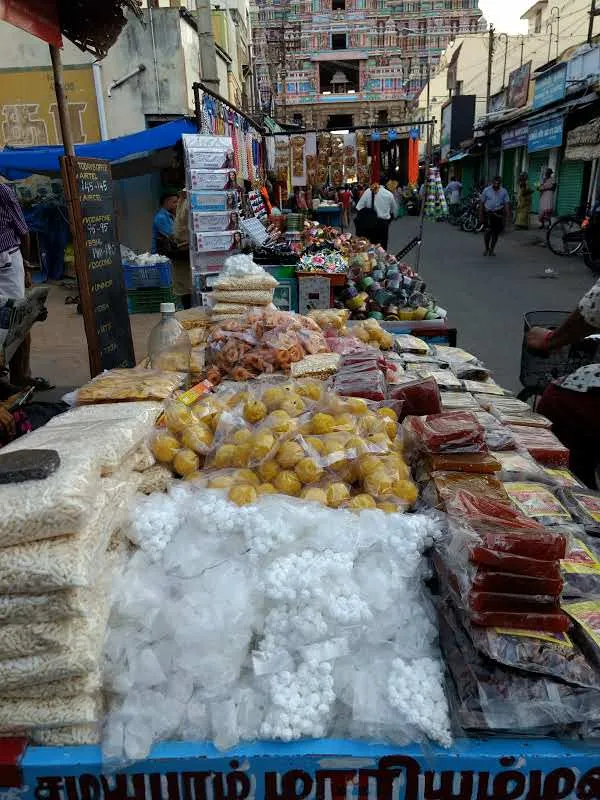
<point x="490" y="514"/>
<point x="519" y="565"/>
<point x="454" y="432"/>
<point x="444" y="485"/>
<point x="476" y="463"/>
<point x="420" y="397"/>
<point x="487" y="580"/>
<point x="524" y="604"/>
<point x="584" y="505"/>
<point x="537" y="501"/>
<point x="543" y="445"/>
<point x="553" y="621"/>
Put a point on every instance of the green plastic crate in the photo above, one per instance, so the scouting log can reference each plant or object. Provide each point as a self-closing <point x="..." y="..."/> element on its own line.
<point x="147" y="301"/>
<point x="282" y="272"/>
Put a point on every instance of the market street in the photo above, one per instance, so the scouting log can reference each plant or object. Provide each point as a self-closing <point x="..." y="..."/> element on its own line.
<point x="486" y="298"/>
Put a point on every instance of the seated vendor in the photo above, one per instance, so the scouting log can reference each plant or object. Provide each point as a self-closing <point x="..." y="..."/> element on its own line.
<point x="17" y="421"/>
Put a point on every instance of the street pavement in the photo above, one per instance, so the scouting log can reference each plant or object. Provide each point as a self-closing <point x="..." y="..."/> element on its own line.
<point x="486" y="299"/>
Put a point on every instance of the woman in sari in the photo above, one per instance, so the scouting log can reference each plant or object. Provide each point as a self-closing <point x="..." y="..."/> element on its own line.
<point x="523" y="202"/>
<point x="547" y="190"/>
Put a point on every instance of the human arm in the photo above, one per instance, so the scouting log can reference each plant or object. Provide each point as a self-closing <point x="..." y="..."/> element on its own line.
<point x="481" y="208"/>
<point x="7" y="423"/>
<point x="164" y="224"/>
<point x="362" y="203"/>
<point x="581" y="323"/>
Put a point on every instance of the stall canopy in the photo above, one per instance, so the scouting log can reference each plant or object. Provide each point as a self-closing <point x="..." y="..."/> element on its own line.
<point x="128" y="155"/>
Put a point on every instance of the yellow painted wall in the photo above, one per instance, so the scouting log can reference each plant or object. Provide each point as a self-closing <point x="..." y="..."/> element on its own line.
<point x="28" y="113"/>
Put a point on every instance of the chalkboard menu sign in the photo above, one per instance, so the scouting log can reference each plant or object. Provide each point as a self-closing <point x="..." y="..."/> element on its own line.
<point x="89" y="192"/>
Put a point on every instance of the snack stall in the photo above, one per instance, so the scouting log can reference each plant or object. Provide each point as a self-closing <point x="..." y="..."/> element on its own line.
<point x="312" y="557"/>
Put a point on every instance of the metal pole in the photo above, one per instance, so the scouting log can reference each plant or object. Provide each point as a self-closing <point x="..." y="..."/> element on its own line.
<point x="61" y="101"/>
<point x="522" y="49"/>
<point x="594" y="12"/>
<point x="207" y="49"/>
<point x="505" y="35"/>
<point x="486" y="159"/>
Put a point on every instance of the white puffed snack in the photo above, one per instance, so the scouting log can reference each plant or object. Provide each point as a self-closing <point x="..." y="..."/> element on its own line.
<point x="87" y="684"/>
<point x="66" y="736"/>
<point x="50" y="712"/>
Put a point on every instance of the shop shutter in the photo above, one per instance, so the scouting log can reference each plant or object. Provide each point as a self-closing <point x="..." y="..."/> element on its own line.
<point x="468" y="177"/>
<point x="536" y="165"/>
<point x="570" y="186"/>
<point x="508" y="171"/>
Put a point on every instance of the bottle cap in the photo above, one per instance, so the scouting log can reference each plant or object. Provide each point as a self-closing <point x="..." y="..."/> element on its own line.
<point x="167" y="308"/>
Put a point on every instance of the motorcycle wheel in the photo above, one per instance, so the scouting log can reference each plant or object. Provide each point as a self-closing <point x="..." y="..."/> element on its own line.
<point x="468" y="224"/>
<point x="592" y="263"/>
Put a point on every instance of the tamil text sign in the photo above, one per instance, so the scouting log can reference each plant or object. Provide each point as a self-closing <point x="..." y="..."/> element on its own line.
<point x="515" y="137"/>
<point x="545" y="135"/>
<point x="550" y="87"/>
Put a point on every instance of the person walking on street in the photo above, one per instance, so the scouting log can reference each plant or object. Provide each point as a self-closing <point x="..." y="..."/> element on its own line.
<point x="381" y="208"/>
<point x="547" y="190"/>
<point x="523" y="202"/>
<point x="346" y="201"/>
<point x="494" y="210"/>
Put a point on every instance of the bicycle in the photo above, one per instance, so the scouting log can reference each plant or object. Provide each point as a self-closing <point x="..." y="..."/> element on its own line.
<point x="565" y="237"/>
<point x="538" y="370"/>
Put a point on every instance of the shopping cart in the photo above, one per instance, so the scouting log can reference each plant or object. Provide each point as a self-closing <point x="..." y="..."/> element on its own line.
<point x="538" y="370"/>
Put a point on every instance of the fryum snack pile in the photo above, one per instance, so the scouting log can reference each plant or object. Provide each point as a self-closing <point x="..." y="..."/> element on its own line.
<point x="281" y="620"/>
<point x="243" y="286"/>
<point x="290" y="437"/>
<point x="60" y="547"/>
<point x="261" y="344"/>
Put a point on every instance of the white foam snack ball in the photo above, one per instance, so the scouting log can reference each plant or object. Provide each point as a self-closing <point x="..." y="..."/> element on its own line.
<point x="240" y="265"/>
<point x="281" y="620"/>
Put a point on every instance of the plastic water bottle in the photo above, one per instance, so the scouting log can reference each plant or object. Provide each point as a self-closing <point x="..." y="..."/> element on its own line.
<point x="169" y="346"/>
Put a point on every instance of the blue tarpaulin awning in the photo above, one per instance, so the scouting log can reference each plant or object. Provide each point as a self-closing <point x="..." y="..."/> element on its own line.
<point x="20" y="162"/>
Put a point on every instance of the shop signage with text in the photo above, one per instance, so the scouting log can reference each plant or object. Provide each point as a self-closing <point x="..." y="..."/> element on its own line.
<point x="515" y="137"/>
<point x="550" y="87"/>
<point x="545" y="135"/>
<point x="518" y="86"/>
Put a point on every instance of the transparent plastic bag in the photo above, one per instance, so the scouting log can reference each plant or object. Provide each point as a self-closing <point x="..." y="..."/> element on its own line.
<point x="563" y="478"/>
<point x="581" y="567"/>
<point x="542" y="445"/>
<point x="483" y="463"/>
<point x="419" y="397"/>
<point x="454" y="432"/>
<point x="443" y="485"/>
<point x="535" y="500"/>
<point x="459" y="401"/>
<point x="518" y="465"/>
<point x="49" y="712"/>
<point x="130" y="385"/>
<point x="497" y="436"/>
<point x="586" y="614"/>
<point x="584" y="505"/>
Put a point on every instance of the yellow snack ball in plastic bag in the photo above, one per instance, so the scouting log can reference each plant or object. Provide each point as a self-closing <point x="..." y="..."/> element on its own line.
<point x="391" y="428"/>
<point x="345" y="422"/>
<point x="406" y="491"/>
<point x="386" y="340"/>
<point x="310" y="390"/>
<point x="279" y="421"/>
<point x="197" y="437"/>
<point x="194" y="476"/>
<point x="289" y="454"/>
<point x="178" y="416"/>
<point x="236" y="399"/>
<point x="368" y="464"/>
<point x="337" y="493"/>
<point x="243" y="436"/>
<point x="242" y="495"/>
<point x="346" y="471"/>
<point x="362" y="501"/>
<point x="355" y="446"/>
<point x="357" y="406"/>
<point x="322" y="423"/>
<point x="293" y="404"/>
<point x="262" y="444"/>
<point x="387" y="412"/>
<point x="315" y="495"/>
<point x="287" y="482"/>
<point x="185" y="462"/>
<point x="246" y="476"/>
<point x="224" y="456"/>
<point x="266" y="488"/>
<point x="241" y="455"/>
<point x="389" y="508"/>
<point x="316" y="444"/>
<point x="213" y="421"/>
<point x="164" y="447"/>
<point x="254" y="411"/>
<point x="370" y="423"/>
<point x="221" y="482"/>
<point x="308" y="470"/>
<point x="268" y="470"/>
<point x="273" y="397"/>
<point x="379" y="442"/>
<point x="378" y="483"/>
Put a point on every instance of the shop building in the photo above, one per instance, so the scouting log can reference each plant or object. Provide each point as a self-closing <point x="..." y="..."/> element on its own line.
<point x="341" y="63"/>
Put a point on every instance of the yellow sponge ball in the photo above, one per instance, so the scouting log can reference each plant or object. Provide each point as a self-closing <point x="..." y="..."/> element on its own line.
<point x="242" y="495"/>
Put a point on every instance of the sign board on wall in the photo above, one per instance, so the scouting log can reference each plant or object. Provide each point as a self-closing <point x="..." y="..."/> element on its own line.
<point x="446" y="130"/>
<point x="545" y="135"/>
<point x="515" y="137"/>
<point x="550" y="86"/>
<point x="518" y="86"/>
<point x="38" y="17"/>
<point x="498" y="101"/>
<point x="89" y="192"/>
<point x="458" y="117"/>
<point x="28" y="110"/>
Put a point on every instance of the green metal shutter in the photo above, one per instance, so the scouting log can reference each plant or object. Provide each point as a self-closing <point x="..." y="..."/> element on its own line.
<point x="508" y="171"/>
<point x="570" y="184"/>
<point x="536" y="165"/>
<point x="468" y="177"/>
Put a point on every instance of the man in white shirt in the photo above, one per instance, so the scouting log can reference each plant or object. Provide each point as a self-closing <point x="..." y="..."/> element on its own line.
<point x="453" y="191"/>
<point x="382" y="201"/>
<point x="494" y="209"/>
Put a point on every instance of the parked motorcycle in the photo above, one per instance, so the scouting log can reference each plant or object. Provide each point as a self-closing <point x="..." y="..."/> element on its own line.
<point x="591" y="240"/>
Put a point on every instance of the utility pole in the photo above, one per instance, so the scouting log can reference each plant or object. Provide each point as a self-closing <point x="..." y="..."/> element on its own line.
<point x="594" y="12"/>
<point x="207" y="51"/>
<point x="488" y="94"/>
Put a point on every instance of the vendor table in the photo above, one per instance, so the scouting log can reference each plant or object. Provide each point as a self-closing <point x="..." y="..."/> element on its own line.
<point x="329" y="215"/>
<point x="497" y="769"/>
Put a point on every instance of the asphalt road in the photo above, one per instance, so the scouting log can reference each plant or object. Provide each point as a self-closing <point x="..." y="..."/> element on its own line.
<point x="486" y="298"/>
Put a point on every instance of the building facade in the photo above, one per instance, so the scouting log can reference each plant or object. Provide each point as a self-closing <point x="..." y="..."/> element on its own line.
<point x="338" y="63"/>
